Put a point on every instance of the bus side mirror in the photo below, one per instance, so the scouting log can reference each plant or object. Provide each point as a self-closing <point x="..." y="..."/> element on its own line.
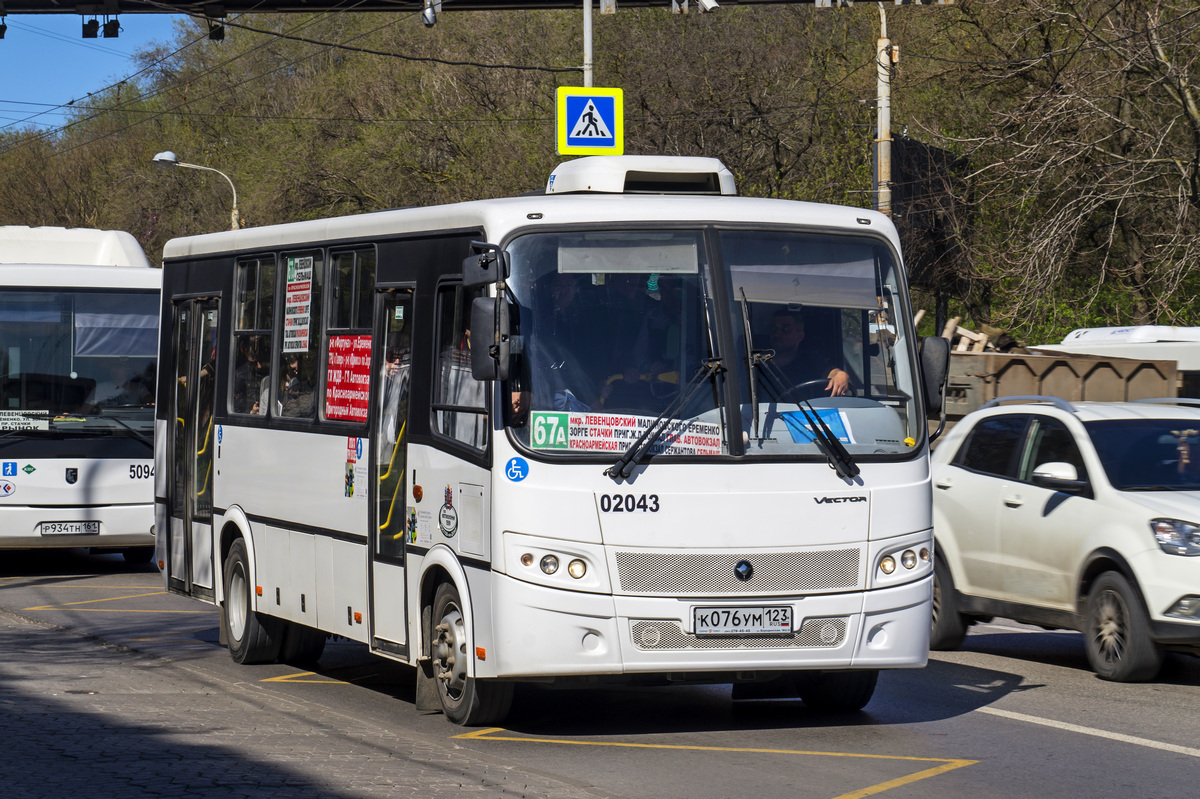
<point x="935" y="369"/>
<point x="490" y="346"/>
<point x="486" y="264"/>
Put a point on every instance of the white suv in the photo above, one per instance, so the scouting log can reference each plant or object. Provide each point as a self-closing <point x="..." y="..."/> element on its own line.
<point x="1081" y="516"/>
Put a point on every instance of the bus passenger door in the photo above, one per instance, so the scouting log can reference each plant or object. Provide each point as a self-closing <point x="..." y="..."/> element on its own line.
<point x="390" y="523"/>
<point x="189" y="560"/>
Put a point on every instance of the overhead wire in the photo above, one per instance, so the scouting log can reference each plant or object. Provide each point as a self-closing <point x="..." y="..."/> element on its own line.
<point x="370" y="51"/>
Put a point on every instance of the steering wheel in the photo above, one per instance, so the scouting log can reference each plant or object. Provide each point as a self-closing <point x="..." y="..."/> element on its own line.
<point x="803" y="387"/>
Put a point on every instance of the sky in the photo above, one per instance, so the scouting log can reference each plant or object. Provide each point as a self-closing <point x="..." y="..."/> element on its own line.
<point x="45" y="62"/>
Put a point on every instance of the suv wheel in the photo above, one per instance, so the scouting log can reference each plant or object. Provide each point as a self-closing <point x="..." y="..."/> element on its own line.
<point x="1117" y="630"/>
<point x="948" y="626"/>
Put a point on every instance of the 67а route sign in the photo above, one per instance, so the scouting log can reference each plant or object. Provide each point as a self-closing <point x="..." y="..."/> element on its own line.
<point x="590" y="121"/>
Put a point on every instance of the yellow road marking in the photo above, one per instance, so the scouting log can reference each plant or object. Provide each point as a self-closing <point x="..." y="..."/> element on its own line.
<point x="947" y="764"/>
<point x="106" y="599"/>
<point x="296" y="678"/>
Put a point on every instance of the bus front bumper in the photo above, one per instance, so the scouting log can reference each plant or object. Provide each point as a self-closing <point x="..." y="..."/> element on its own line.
<point x="544" y="632"/>
<point x="117" y="527"/>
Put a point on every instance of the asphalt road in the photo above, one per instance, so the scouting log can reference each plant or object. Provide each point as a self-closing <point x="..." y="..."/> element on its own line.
<point x="111" y="687"/>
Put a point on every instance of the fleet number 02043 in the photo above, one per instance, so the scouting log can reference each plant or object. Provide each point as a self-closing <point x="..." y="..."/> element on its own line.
<point x="629" y="503"/>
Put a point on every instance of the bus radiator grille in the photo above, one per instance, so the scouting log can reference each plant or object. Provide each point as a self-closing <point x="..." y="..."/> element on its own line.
<point x="712" y="574"/>
<point x="658" y="635"/>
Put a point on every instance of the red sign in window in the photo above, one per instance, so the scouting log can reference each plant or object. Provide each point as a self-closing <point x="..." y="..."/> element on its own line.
<point x="348" y="378"/>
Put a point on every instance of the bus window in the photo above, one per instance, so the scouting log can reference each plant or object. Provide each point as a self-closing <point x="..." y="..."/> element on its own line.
<point x="458" y="398"/>
<point x="354" y="278"/>
<point x="299" y="357"/>
<point x="252" y="335"/>
<point x="348" y="348"/>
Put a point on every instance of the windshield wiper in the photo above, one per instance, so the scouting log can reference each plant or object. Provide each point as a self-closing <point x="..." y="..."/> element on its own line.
<point x="776" y="383"/>
<point x="639" y="448"/>
<point x="145" y="439"/>
<point x="751" y="357"/>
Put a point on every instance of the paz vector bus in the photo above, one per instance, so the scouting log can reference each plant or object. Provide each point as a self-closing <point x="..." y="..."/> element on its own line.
<point x="78" y="344"/>
<point x="633" y="427"/>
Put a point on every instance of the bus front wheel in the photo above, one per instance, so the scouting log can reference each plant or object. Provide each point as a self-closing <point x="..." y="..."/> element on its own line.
<point x="464" y="700"/>
<point x="836" y="691"/>
<point x="252" y="638"/>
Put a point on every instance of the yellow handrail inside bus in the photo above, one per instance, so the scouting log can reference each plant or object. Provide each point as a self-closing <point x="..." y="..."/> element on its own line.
<point x="392" y="505"/>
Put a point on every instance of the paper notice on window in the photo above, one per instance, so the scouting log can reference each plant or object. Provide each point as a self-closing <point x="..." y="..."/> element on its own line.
<point x="297" y="304"/>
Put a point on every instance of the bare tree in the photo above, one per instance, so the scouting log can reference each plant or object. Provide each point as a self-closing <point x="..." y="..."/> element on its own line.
<point x="1086" y="171"/>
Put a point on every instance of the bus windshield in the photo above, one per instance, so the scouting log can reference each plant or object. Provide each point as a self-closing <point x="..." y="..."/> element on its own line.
<point x="614" y="329"/>
<point x="77" y="362"/>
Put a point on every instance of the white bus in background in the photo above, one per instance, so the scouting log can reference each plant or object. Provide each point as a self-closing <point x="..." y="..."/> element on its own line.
<point x="550" y="438"/>
<point x="78" y="346"/>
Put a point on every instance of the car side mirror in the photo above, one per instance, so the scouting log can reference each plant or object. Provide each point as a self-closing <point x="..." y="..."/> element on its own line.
<point x="1059" y="476"/>
<point x="490" y="339"/>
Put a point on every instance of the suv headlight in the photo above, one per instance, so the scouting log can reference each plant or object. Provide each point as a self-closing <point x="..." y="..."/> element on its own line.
<point x="1175" y="537"/>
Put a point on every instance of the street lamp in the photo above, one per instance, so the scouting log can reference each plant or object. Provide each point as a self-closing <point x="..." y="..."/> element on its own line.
<point x="168" y="159"/>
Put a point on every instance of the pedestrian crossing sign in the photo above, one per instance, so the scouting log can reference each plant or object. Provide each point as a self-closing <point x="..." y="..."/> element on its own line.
<point x="591" y="121"/>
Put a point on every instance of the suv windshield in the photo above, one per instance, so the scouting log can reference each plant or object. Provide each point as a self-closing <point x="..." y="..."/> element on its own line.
<point x="1148" y="454"/>
<point x="77" y="362"/>
<point x="615" y="328"/>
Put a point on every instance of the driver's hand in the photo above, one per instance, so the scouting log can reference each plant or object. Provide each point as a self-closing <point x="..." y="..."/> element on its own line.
<point x="839" y="383"/>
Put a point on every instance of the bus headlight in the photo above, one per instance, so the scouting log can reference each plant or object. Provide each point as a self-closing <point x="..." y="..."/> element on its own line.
<point x="902" y="560"/>
<point x="568" y="565"/>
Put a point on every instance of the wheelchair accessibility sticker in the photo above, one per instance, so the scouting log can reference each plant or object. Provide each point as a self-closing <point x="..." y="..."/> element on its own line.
<point x="517" y="469"/>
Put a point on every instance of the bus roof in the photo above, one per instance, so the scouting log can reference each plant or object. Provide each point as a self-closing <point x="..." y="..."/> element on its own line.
<point x="580" y="202"/>
<point x="500" y="217"/>
<point x="73" y="246"/>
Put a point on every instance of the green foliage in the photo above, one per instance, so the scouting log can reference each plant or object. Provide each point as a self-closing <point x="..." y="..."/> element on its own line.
<point x="1078" y="199"/>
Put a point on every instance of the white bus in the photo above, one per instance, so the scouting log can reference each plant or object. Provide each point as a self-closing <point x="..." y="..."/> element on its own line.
<point x="556" y="436"/>
<point x="78" y="345"/>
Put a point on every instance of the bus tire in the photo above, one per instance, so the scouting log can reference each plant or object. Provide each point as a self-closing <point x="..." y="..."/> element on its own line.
<point x="947" y="627"/>
<point x="836" y="691"/>
<point x="252" y="638"/>
<point x="138" y="554"/>
<point x="464" y="700"/>
<point x="301" y="645"/>
<point x="1117" y="632"/>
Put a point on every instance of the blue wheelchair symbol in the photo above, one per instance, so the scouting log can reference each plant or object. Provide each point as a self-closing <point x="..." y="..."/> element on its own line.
<point x="517" y="469"/>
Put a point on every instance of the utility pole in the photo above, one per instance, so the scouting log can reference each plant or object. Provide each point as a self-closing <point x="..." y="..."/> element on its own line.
<point x="587" y="43"/>
<point x="883" y="114"/>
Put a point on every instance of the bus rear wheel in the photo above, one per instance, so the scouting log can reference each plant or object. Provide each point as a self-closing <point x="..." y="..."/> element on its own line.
<point x="252" y="638"/>
<point x="464" y="700"/>
<point x="301" y="645"/>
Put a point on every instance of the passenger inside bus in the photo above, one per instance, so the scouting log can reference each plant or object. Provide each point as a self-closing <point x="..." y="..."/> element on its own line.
<point x="637" y="327"/>
<point x="252" y="369"/>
